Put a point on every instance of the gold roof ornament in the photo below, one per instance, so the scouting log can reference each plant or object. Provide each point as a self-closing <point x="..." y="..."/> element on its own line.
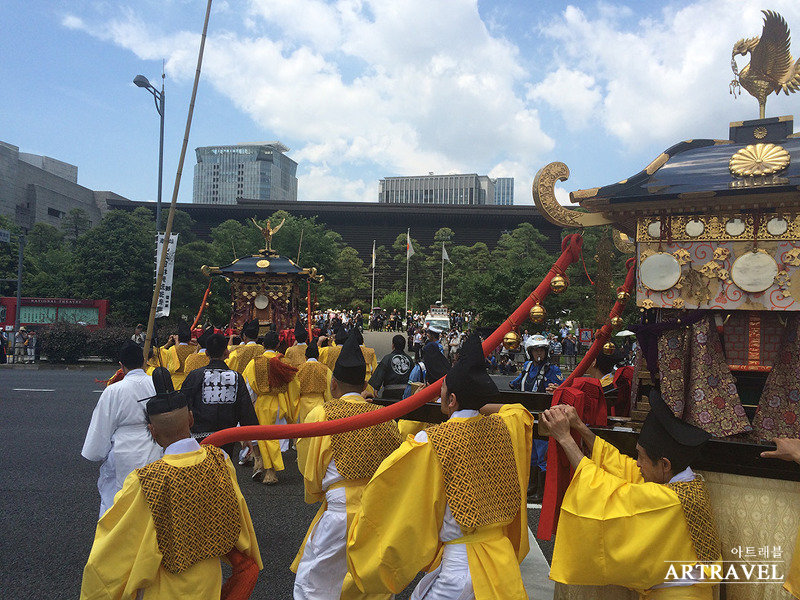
<point x="771" y="67"/>
<point x="759" y="159"/>
<point x="268" y="231"/>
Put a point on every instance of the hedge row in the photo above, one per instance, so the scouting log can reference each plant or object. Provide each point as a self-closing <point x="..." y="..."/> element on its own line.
<point x="68" y="342"/>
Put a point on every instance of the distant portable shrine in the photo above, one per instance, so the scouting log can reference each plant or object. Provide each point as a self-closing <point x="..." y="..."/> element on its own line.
<point x="267" y="286"/>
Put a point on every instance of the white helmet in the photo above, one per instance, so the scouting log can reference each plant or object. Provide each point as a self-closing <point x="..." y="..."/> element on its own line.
<point x="536" y="341"/>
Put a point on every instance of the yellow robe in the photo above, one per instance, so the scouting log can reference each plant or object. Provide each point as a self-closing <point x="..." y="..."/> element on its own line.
<point x="328" y="355"/>
<point x="395" y="534"/>
<point x="615" y="529"/>
<point x="180" y="353"/>
<point x="125" y="555"/>
<point x="296" y="355"/>
<point x="792" y="581"/>
<point x="268" y="406"/>
<point x="241" y="356"/>
<point x="168" y="360"/>
<point x="194" y="361"/>
<point x="314" y="454"/>
<point x="315" y="387"/>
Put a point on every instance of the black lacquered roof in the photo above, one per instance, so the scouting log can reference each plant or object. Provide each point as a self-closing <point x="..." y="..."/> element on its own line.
<point x="702" y="166"/>
<point x="278" y="265"/>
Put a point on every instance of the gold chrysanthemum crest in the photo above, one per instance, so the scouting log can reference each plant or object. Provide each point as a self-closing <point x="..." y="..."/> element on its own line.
<point x="759" y="159"/>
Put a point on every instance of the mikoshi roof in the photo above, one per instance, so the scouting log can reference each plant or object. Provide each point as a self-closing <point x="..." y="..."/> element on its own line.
<point x="261" y="264"/>
<point x="757" y="167"/>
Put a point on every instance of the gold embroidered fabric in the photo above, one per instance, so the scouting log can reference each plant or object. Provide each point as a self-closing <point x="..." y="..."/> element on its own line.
<point x="699" y="515"/>
<point x="296" y="355"/>
<point x="313" y="378"/>
<point x="369" y="358"/>
<point x="261" y="365"/>
<point x="196" y="361"/>
<point x="194" y="509"/>
<point x="480" y="470"/>
<point x="183" y="353"/>
<point x="331" y="355"/>
<point x="358" y="454"/>
<point x="242" y="355"/>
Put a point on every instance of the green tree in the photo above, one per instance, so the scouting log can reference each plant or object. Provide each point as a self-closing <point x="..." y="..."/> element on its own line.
<point x="348" y="284"/>
<point x="116" y="261"/>
<point x="75" y="224"/>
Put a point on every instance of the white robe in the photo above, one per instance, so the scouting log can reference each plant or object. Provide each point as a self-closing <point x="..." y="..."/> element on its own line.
<point x="118" y="434"/>
<point x="324" y="564"/>
<point x="451" y="580"/>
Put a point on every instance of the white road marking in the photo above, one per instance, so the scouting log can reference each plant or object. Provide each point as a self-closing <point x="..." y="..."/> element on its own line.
<point x="530" y="505"/>
<point x="30" y="390"/>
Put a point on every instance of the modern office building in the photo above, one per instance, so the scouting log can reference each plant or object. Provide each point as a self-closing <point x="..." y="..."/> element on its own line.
<point x="40" y="189"/>
<point x="504" y="191"/>
<point x="443" y="189"/>
<point x="256" y="171"/>
<point x="436" y="189"/>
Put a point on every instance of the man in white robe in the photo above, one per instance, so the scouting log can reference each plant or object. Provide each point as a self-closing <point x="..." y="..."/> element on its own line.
<point x="118" y="435"/>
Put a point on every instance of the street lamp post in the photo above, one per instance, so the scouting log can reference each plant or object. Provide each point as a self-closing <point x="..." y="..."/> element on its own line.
<point x="142" y="82"/>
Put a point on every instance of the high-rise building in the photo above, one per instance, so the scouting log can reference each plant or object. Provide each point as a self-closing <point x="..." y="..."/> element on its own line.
<point x="444" y="189"/>
<point x="504" y="191"/>
<point x="255" y="171"/>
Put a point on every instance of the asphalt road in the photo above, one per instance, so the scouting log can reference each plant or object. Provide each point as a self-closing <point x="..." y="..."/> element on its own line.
<point x="50" y="499"/>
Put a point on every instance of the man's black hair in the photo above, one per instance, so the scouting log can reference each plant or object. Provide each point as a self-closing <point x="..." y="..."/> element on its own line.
<point x="216" y="345"/>
<point x="399" y="343"/>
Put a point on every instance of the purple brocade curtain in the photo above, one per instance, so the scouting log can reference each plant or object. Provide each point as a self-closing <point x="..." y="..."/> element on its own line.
<point x="696" y="382"/>
<point x="778" y="412"/>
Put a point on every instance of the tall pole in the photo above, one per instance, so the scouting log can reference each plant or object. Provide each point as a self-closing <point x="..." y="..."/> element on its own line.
<point x="21" y="239"/>
<point x="160" y="153"/>
<point x="408" y="260"/>
<point x="160" y="273"/>
<point x="441" y="286"/>
<point x="372" y="305"/>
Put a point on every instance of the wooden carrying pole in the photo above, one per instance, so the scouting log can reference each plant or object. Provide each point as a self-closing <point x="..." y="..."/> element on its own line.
<point x="163" y="259"/>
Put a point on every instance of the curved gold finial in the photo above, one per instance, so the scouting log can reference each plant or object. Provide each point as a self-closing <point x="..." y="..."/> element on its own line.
<point x="544" y="197"/>
<point x="623" y="242"/>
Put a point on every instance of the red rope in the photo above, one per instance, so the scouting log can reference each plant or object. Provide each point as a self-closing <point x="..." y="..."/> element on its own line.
<point x="585" y="270"/>
<point x="571" y="246"/>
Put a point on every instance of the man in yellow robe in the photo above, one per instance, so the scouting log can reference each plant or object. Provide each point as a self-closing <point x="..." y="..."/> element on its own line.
<point x="315" y="382"/>
<point x="173" y="520"/>
<point x="242" y="354"/>
<point x="296" y="354"/>
<point x="275" y="391"/>
<point x="199" y="359"/>
<point x="644" y="524"/>
<point x="181" y="347"/>
<point x="328" y="354"/>
<point x="450" y="501"/>
<point x="335" y="469"/>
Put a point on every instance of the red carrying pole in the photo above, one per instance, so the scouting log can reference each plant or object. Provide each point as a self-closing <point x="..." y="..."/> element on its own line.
<point x="604" y="333"/>
<point x="571" y="248"/>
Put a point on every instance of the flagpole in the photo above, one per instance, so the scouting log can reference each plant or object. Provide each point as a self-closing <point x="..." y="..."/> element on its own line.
<point x="408" y="245"/>
<point x="441" y="287"/>
<point x="373" y="277"/>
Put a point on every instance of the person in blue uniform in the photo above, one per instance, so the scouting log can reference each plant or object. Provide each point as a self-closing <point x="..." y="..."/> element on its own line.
<point x="538" y="375"/>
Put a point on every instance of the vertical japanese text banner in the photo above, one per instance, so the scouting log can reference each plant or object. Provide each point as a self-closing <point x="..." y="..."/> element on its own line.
<point x="165" y="293"/>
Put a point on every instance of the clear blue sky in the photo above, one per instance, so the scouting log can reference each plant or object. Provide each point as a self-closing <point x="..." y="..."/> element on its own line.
<point x="361" y="90"/>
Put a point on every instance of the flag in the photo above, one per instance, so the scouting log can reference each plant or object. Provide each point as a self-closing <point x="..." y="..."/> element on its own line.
<point x="373" y="255"/>
<point x="444" y="255"/>
<point x="409" y="247"/>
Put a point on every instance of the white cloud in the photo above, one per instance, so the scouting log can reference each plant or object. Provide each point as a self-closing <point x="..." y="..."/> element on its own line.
<point x="572" y="93"/>
<point x="399" y="88"/>
<point x="658" y="78"/>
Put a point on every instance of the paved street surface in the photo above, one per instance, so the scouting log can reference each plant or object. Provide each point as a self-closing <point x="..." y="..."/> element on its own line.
<point x="50" y="499"/>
